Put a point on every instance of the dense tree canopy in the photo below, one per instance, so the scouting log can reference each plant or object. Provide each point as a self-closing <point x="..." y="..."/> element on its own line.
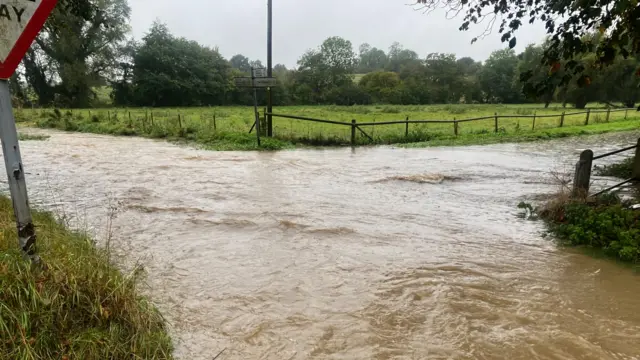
<point x="85" y="47"/>
<point x="170" y="71"/>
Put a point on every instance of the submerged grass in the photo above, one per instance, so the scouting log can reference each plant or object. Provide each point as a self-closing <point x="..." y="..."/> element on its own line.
<point x="32" y="137"/>
<point x="227" y="128"/>
<point x="622" y="170"/>
<point x="78" y="306"/>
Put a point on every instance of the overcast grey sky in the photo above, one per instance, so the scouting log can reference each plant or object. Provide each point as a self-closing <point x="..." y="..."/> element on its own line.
<point x="239" y="27"/>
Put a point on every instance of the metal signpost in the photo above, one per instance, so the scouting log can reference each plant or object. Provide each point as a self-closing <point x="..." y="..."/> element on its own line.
<point x="257" y="80"/>
<point x="20" y="23"/>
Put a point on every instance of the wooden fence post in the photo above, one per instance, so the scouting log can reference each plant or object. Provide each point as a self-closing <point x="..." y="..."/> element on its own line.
<point x="626" y="112"/>
<point x="455" y="126"/>
<point x="406" y="127"/>
<point x="215" y="127"/>
<point x="582" y="178"/>
<point x="636" y="163"/>
<point x="608" y="114"/>
<point x="586" y="122"/>
<point x="562" y="119"/>
<point x="130" y="124"/>
<point x="353" y="132"/>
<point x="496" y="121"/>
<point x="533" y="125"/>
<point x="152" y="118"/>
<point x="180" y="123"/>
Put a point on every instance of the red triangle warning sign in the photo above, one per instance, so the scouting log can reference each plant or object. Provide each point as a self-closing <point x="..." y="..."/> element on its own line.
<point x="20" y="23"/>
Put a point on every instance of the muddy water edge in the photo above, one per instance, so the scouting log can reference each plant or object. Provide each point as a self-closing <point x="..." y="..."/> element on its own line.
<point x="372" y="253"/>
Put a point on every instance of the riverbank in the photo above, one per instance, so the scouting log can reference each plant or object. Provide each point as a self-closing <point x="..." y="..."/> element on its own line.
<point x="605" y="225"/>
<point x="228" y="128"/>
<point x="78" y="307"/>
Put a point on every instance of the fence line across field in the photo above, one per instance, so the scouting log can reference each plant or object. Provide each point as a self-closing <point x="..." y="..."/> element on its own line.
<point x="147" y="119"/>
<point x="357" y="126"/>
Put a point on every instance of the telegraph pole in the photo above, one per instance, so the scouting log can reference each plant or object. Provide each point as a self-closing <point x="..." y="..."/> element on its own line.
<point x="269" y="64"/>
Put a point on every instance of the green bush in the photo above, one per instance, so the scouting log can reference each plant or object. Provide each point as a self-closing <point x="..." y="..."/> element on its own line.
<point x="607" y="224"/>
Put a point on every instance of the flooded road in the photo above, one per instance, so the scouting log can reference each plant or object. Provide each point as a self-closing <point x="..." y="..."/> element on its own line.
<point x="375" y="253"/>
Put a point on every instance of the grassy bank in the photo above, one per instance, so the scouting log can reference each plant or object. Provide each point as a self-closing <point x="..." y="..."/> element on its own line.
<point x="605" y="225"/>
<point x="227" y="128"/>
<point x="78" y="307"/>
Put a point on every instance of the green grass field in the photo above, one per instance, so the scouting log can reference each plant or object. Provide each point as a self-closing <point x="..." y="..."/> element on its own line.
<point x="227" y="128"/>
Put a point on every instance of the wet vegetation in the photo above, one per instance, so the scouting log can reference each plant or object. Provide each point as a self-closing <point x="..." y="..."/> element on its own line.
<point x="77" y="306"/>
<point x="623" y="169"/>
<point x="606" y="223"/>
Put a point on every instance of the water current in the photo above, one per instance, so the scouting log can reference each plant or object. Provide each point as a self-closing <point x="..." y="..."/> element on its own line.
<point x="371" y="253"/>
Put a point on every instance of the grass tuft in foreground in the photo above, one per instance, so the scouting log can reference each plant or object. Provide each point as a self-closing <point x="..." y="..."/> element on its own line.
<point x="79" y="307"/>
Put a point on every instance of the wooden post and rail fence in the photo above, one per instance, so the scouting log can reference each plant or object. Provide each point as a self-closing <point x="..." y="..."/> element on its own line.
<point x="582" y="176"/>
<point x="358" y="127"/>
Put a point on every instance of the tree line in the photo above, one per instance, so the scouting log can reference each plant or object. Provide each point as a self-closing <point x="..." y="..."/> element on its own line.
<point x="81" y="51"/>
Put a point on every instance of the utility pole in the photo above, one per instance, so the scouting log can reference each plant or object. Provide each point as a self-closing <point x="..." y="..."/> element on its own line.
<point x="269" y="65"/>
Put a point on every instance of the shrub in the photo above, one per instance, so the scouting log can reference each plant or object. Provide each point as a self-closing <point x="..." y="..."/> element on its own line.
<point x="606" y="223"/>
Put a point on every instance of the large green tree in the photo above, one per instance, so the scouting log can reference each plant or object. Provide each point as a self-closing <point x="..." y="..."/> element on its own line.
<point x="322" y="70"/>
<point x="371" y="59"/>
<point x="77" y="49"/>
<point x="498" y="77"/>
<point x="171" y="71"/>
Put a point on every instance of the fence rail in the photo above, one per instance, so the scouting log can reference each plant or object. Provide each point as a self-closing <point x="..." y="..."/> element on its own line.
<point x="582" y="178"/>
<point x="358" y="126"/>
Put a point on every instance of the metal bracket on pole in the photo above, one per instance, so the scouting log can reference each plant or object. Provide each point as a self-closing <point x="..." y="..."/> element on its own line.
<point x="15" y="174"/>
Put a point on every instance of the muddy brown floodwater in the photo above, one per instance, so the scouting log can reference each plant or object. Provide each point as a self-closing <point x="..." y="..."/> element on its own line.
<point x="375" y="253"/>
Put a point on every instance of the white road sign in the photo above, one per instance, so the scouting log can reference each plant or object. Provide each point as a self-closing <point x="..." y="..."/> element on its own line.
<point x="20" y="22"/>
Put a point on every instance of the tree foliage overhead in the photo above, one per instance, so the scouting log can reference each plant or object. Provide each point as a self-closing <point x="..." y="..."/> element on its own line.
<point x="566" y="21"/>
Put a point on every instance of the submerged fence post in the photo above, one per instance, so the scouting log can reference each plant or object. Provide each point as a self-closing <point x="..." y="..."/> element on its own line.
<point x="533" y="124"/>
<point x="406" y="127"/>
<point x="582" y="178"/>
<point x="586" y="122"/>
<point x="353" y="132"/>
<point x="608" y="114"/>
<point x="562" y="119"/>
<point x="496" y="121"/>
